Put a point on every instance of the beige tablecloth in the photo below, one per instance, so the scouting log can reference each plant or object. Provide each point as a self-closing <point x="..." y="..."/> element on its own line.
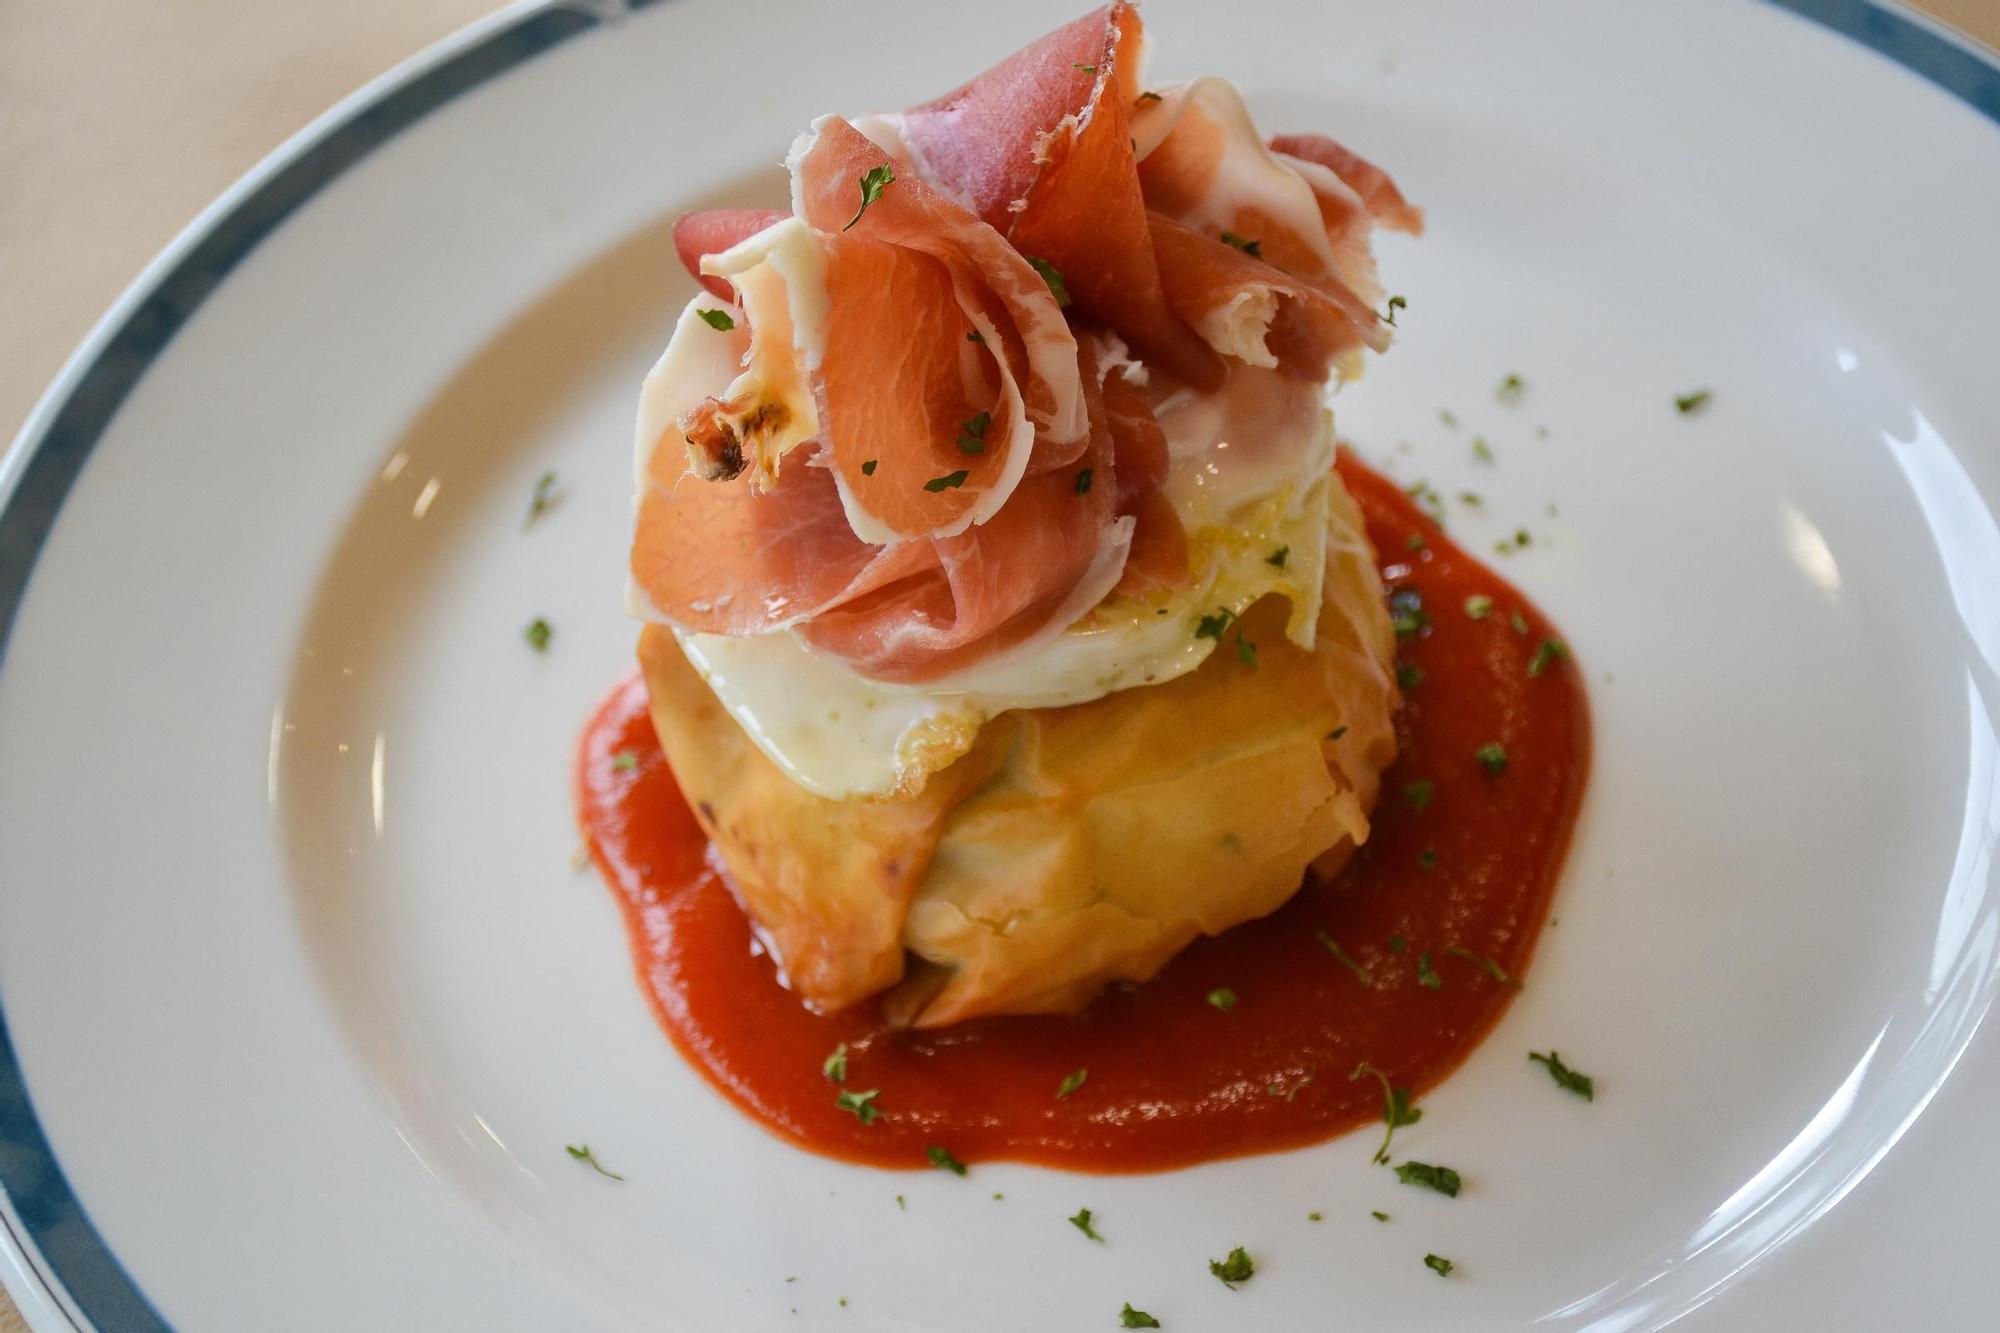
<point x="121" y="119"/>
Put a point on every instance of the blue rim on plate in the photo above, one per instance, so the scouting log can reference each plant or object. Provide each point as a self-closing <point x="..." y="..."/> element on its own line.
<point x="61" y="1249"/>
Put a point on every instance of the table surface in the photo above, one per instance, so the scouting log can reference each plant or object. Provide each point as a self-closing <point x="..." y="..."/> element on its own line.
<point x="107" y="148"/>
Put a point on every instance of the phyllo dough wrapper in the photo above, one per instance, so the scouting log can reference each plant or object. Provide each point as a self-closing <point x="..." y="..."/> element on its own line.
<point x="1071" y="847"/>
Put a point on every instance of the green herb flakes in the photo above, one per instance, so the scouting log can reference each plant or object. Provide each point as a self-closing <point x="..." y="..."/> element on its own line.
<point x="1478" y="606"/>
<point x="1565" y="1077"/>
<point x="1082" y="1223"/>
<point x="1492" y="757"/>
<point x="942" y="1159"/>
<point x="949" y="481"/>
<point x="1238" y="1267"/>
<point x="1684" y="403"/>
<point x="1409" y="675"/>
<point x="538" y="633"/>
<point x="1440" y="1178"/>
<point x="1439" y="1265"/>
<point x="1484" y="962"/>
<point x="1071" y="1082"/>
<point x="972" y="433"/>
<point x="1278" y="557"/>
<point x="582" y="1153"/>
<point x="718" y="320"/>
<point x="1128" y="1317"/>
<point x="625" y="761"/>
<point x="1551" y="650"/>
<point x="1396" y="1108"/>
<point x="1083" y="477"/>
<point x="1054" y="278"/>
<point x="834" y="1067"/>
<point x="545" y="498"/>
<point x="1510" y="389"/>
<point x="1341" y="956"/>
<point x="1395" y="303"/>
<point x="1222" y="998"/>
<point x="873" y="182"/>
<point x="860" y="1104"/>
<point x="868" y="468"/>
<point x="1419" y="793"/>
<point x="1427" y="976"/>
<point x="1254" y="249"/>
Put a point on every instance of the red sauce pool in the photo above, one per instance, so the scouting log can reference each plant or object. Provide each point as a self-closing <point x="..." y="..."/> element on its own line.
<point x="1173" y="1080"/>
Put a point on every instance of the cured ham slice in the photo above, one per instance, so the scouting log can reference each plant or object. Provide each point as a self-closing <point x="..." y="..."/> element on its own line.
<point x="1040" y="147"/>
<point x="712" y="232"/>
<point x="1372" y="185"/>
<point x="1255" y="312"/>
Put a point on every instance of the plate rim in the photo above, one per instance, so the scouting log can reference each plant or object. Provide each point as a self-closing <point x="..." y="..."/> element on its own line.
<point x="53" y="1261"/>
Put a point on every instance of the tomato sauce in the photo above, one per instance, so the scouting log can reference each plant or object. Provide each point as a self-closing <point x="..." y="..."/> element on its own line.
<point x="1444" y="901"/>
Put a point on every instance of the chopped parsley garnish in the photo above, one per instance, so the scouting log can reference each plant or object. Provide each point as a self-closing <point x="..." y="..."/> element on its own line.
<point x="1222" y="998"/>
<point x="868" y="468"/>
<point x="1083" y="477"/>
<point x="538" y="634"/>
<point x="1471" y="499"/>
<point x="949" y="481"/>
<point x="1255" y="249"/>
<point x="972" y="433"/>
<point x="1336" y="733"/>
<point x="1419" y="793"/>
<point x="873" y="182"/>
<point x="1408" y="675"/>
<point x="1482" y="450"/>
<point x="1379" y="1215"/>
<point x="861" y="1104"/>
<point x="1427" y="859"/>
<point x="1510" y="389"/>
<point x="1291" y="1093"/>
<point x="1439" y="1265"/>
<point x="942" y="1159"/>
<point x="1236" y="1268"/>
<point x="1149" y="97"/>
<point x="1053" y="277"/>
<point x="1070" y="1083"/>
<point x="545" y="498"/>
<point x="1492" y="757"/>
<point x="1427" y="976"/>
<point x="1211" y="626"/>
<point x="1685" y="403"/>
<point x="1580" y="1084"/>
<point x="1128" y="1317"/>
<point x="1087" y="69"/>
<point x="625" y="761"/>
<point x="1278" y="557"/>
<point x="1396" y="1108"/>
<point x="1406" y="612"/>
<point x="1082" y="1223"/>
<point x="834" y="1067"/>
<point x="1485" y="962"/>
<point x="1397" y="944"/>
<point x="718" y="320"/>
<point x="1340" y="955"/>
<point x="1246" y="651"/>
<point x="1518" y="622"/>
<point x="1551" y="650"/>
<point x="1478" y="606"/>
<point x="1445" y="415"/>
<point x="1395" y="303"/>
<point x="902" y="1205"/>
<point x="975" y="336"/>
<point x="581" y="1152"/>
<point x="1440" y="1178"/>
<point x="1413" y="542"/>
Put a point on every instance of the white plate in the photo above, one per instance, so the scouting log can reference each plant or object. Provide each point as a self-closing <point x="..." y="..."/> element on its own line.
<point x="308" y="1000"/>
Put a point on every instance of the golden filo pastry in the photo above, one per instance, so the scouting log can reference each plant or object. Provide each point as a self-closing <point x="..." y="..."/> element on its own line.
<point x="1070" y="847"/>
